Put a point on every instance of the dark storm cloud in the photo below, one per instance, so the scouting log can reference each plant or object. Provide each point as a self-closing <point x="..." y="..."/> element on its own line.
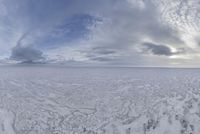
<point x="26" y="53"/>
<point x="157" y="49"/>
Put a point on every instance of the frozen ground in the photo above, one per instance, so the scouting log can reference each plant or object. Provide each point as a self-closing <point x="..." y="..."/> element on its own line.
<point x="55" y="100"/>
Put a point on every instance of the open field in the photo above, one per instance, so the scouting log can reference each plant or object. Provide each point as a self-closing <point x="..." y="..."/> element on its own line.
<point x="58" y="100"/>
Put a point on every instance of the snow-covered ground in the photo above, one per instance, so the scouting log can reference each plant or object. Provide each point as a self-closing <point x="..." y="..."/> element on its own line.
<point x="58" y="100"/>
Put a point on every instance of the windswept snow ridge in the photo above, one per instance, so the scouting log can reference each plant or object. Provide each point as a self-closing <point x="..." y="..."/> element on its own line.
<point x="52" y="100"/>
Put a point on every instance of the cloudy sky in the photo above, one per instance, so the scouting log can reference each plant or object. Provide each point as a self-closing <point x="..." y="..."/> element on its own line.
<point x="101" y="32"/>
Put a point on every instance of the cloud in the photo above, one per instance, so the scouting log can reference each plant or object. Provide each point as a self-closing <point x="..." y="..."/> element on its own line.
<point x="123" y="29"/>
<point x="26" y="53"/>
<point x="103" y="31"/>
<point x="73" y="28"/>
<point x="103" y="50"/>
<point x="161" y="50"/>
<point x="101" y="59"/>
<point x="119" y="36"/>
<point x="158" y="49"/>
<point x="100" y="54"/>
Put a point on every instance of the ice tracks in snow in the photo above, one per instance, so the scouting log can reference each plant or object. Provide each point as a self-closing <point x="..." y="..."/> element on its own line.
<point x="6" y="122"/>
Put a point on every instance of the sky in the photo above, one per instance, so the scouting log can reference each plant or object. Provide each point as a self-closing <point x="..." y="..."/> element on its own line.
<point x="161" y="33"/>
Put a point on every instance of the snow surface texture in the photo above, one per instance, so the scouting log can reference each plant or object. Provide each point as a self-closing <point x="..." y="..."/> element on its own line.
<point x="52" y="100"/>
